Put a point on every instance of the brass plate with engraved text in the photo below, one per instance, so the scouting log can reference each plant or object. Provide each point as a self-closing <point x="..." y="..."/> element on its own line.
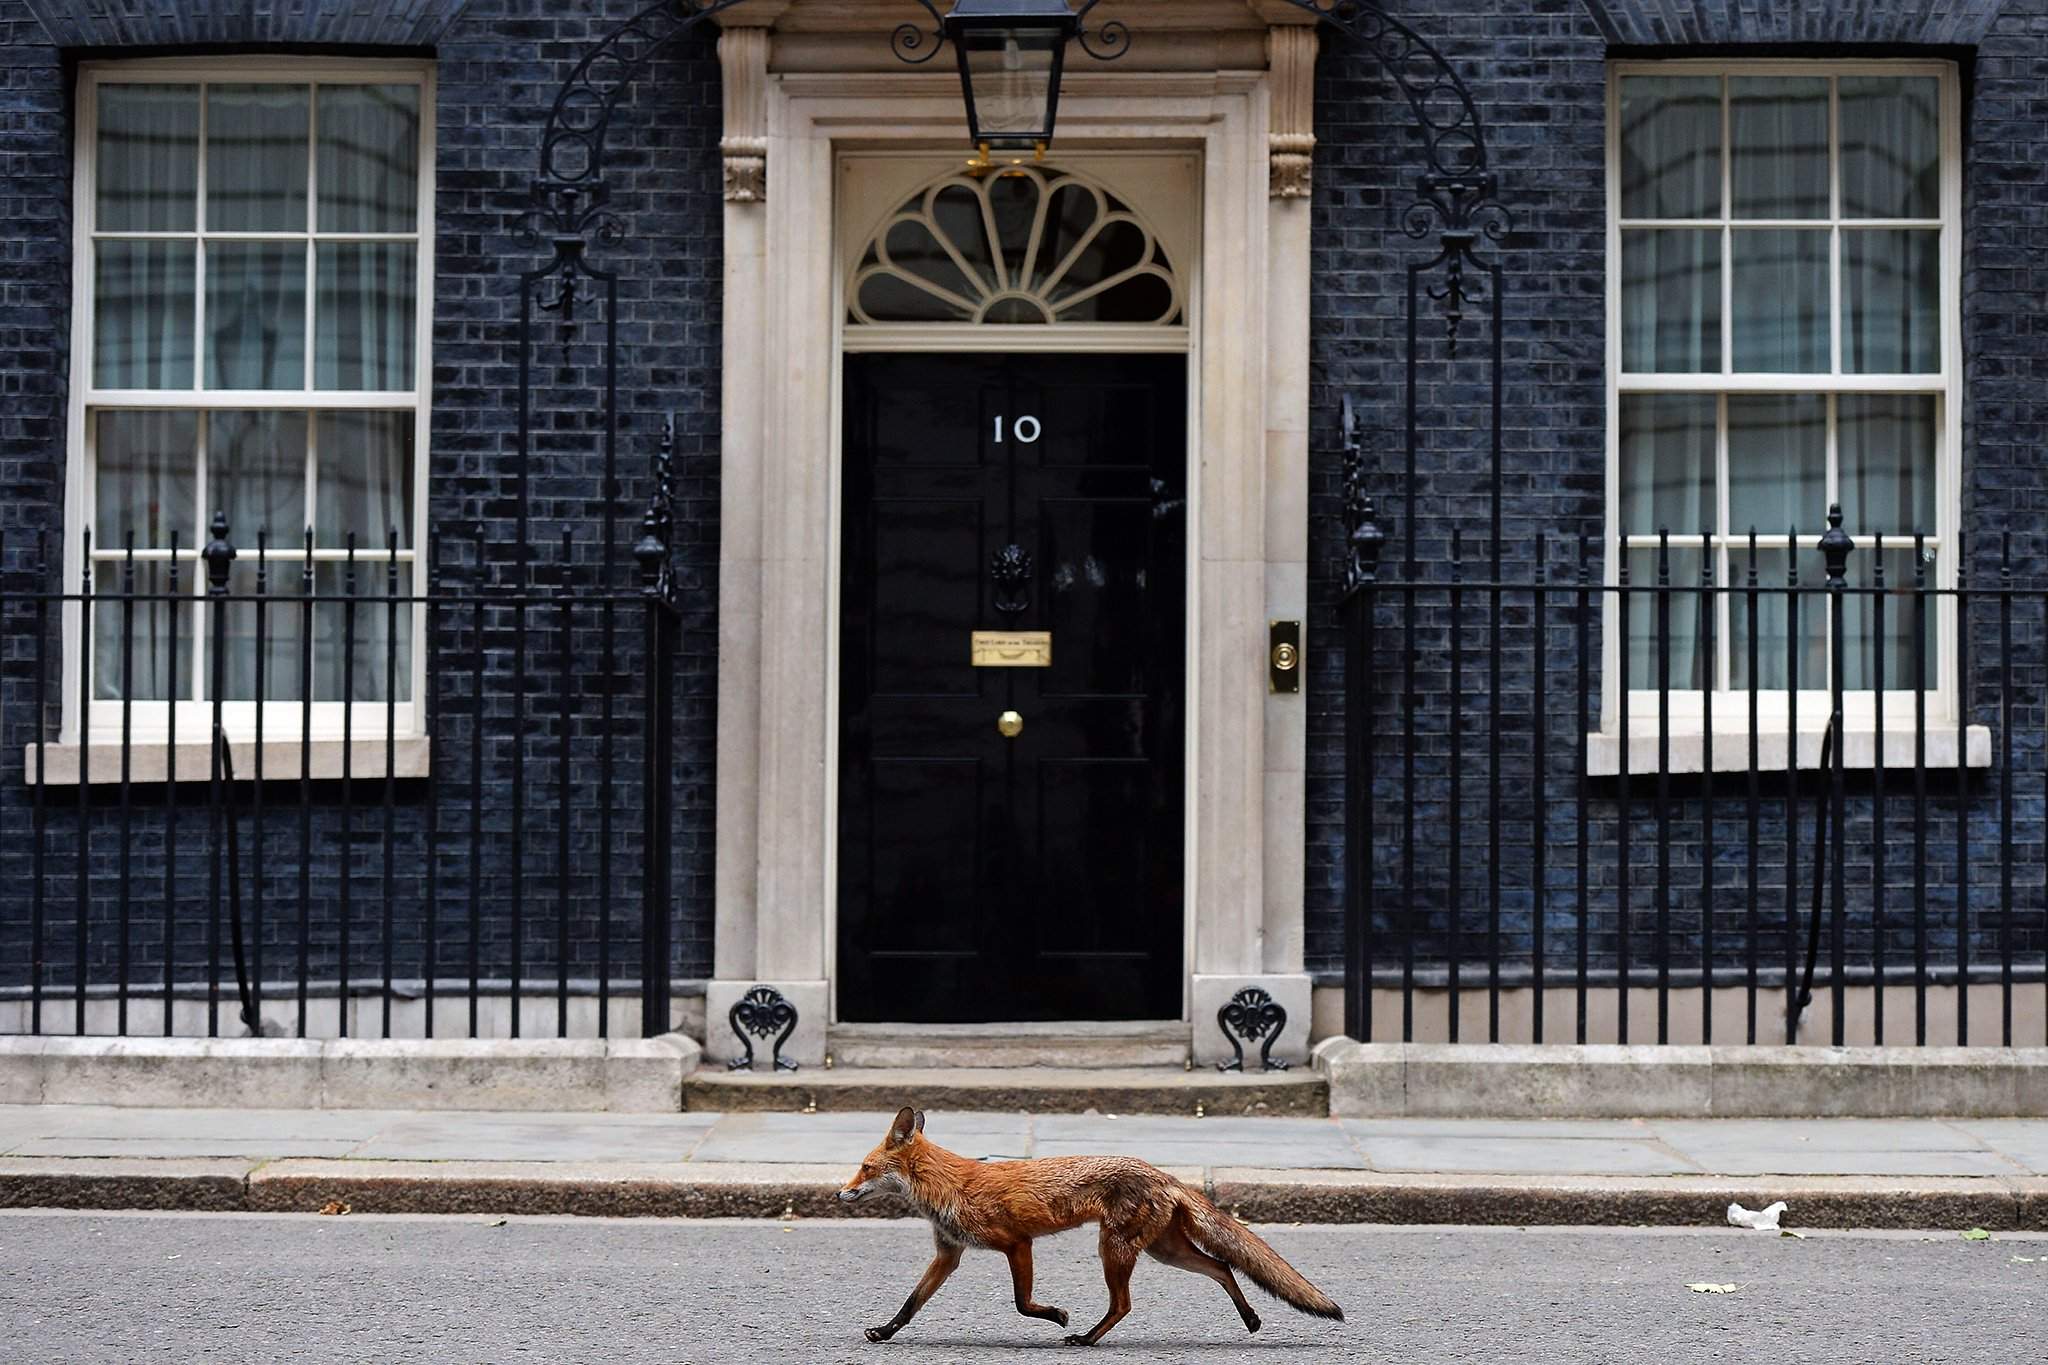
<point x="1012" y="649"/>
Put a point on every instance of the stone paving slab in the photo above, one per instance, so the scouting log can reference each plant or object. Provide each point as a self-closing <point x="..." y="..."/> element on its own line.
<point x="1902" y="1147"/>
<point x="269" y="1130"/>
<point x="2024" y="1141"/>
<point x="1556" y="1155"/>
<point x="1279" y="1142"/>
<point x="536" y="1137"/>
<point x="1501" y="1128"/>
<point x="844" y="1138"/>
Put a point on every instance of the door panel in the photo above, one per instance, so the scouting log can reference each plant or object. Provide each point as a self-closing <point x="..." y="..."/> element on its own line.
<point x="987" y="878"/>
<point x="931" y="806"/>
<point x="916" y="636"/>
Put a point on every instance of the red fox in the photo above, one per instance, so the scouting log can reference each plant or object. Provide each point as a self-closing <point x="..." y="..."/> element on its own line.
<point x="1002" y="1205"/>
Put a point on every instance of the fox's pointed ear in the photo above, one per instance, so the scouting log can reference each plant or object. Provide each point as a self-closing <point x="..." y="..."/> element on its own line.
<point x="903" y="1127"/>
<point x="920" y="1120"/>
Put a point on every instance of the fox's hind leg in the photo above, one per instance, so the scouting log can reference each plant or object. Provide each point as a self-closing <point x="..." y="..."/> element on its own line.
<point x="1020" y="1280"/>
<point x="1118" y="1258"/>
<point x="1174" y="1249"/>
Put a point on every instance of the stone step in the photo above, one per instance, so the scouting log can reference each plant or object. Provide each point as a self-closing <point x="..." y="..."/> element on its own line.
<point x="1064" y="1045"/>
<point x="1037" y="1090"/>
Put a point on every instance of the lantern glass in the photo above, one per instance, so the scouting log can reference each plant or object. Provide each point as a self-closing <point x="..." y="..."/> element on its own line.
<point x="1011" y="77"/>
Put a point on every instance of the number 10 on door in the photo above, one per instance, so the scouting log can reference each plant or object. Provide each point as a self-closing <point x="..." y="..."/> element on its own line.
<point x="1025" y="429"/>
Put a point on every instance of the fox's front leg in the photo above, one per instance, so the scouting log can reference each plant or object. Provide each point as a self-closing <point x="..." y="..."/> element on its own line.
<point x="934" y="1275"/>
<point x="1020" y="1280"/>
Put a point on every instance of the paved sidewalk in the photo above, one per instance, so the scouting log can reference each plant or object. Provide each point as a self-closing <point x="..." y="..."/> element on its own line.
<point x="1618" y="1147"/>
<point x="1844" y="1172"/>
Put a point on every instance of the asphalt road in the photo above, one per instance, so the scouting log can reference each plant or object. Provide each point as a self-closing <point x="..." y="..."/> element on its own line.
<point x="248" y="1287"/>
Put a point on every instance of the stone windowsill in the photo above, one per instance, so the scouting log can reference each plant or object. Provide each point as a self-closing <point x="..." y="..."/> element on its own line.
<point x="1731" y="748"/>
<point x="150" y="761"/>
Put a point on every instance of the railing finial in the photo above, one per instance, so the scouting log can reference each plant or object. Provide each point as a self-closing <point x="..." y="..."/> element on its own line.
<point x="1835" y="546"/>
<point x="657" y="571"/>
<point x="218" y="554"/>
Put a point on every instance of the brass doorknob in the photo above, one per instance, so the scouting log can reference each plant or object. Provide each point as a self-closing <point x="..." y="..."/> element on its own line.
<point x="1010" y="724"/>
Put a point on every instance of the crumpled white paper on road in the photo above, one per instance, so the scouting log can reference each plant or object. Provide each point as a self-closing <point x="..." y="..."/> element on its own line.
<point x="1763" y="1220"/>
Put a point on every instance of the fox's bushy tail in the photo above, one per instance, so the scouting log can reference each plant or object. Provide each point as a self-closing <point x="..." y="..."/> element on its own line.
<point x="1228" y="1240"/>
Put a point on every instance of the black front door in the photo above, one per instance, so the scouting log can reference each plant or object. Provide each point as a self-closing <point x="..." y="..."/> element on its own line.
<point x="986" y="875"/>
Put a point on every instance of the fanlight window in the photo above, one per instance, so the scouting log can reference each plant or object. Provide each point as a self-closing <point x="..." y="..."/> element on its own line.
<point x="1029" y="246"/>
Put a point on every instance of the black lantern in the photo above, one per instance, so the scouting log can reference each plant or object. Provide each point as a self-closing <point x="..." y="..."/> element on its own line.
<point x="1011" y="53"/>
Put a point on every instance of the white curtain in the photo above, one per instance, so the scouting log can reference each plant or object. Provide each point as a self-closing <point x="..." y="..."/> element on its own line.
<point x="364" y="485"/>
<point x="363" y="316"/>
<point x="147" y="171"/>
<point x="143" y="315"/>
<point x="1667" y="484"/>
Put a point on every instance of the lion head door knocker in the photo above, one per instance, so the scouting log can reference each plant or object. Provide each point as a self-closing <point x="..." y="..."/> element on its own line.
<point x="1010" y="568"/>
<point x="760" y="1012"/>
<point x="1251" y="1015"/>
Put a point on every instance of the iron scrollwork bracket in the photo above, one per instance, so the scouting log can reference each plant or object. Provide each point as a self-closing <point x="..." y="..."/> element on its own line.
<point x="761" y="1012"/>
<point x="1463" y="212"/>
<point x="914" y="46"/>
<point x="1105" y="44"/>
<point x="1456" y="193"/>
<point x="908" y="41"/>
<point x="1252" y="1015"/>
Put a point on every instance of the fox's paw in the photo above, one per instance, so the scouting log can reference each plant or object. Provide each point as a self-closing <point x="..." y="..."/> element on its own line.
<point x="1251" y="1322"/>
<point x="1078" y="1339"/>
<point x="880" y="1333"/>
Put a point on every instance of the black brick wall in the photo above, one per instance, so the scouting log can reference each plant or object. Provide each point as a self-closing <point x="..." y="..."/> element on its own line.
<point x="499" y="64"/>
<point x="1536" y="70"/>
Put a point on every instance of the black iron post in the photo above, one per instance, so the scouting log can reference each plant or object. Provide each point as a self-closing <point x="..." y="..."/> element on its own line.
<point x="1835" y="546"/>
<point x="657" y="591"/>
<point x="218" y="554"/>
<point x="1361" y="579"/>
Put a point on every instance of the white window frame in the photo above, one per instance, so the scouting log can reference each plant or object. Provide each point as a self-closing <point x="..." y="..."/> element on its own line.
<point x="1777" y="748"/>
<point x="284" y="722"/>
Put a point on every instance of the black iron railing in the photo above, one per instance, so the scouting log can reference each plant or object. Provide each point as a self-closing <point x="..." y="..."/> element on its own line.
<point x="1715" y="778"/>
<point x="490" y="823"/>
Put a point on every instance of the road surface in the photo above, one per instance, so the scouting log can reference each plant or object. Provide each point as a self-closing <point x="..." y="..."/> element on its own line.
<point x="92" y="1287"/>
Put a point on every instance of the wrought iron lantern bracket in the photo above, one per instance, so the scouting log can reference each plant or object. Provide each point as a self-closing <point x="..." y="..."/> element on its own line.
<point x="915" y="46"/>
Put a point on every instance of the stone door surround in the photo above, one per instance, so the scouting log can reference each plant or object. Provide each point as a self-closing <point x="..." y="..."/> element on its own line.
<point x="791" y="123"/>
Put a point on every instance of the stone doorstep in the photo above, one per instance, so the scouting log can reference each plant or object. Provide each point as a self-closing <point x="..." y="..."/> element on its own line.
<point x="618" y="1075"/>
<point x="1039" y="1090"/>
<point x="1110" y="1045"/>
<point x="694" y="1190"/>
<point x="1491" y="1080"/>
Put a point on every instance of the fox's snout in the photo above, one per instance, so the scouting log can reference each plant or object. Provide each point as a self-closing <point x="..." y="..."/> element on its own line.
<point x="851" y="1193"/>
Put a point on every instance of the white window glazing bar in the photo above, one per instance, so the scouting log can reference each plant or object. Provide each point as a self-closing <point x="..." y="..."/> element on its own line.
<point x="199" y="255"/>
<point x="312" y="236"/>
<point x="1834" y="239"/>
<point x="1725" y="236"/>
